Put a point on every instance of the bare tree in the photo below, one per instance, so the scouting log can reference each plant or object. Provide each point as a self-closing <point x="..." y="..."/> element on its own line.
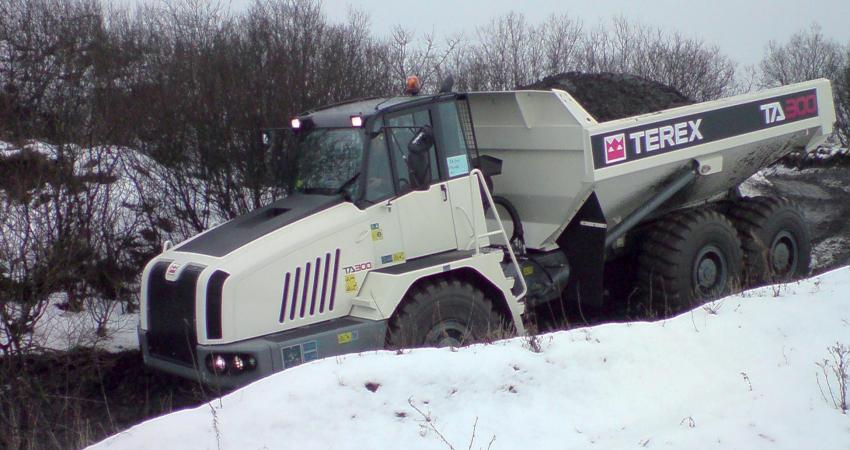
<point x="408" y="55"/>
<point x="511" y="52"/>
<point x="562" y="37"/>
<point x="807" y="55"/>
<point x="694" y="68"/>
<point x="842" y="106"/>
<point x="508" y="53"/>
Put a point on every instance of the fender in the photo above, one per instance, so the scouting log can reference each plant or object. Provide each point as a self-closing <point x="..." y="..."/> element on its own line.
<point x="384" y="289"/>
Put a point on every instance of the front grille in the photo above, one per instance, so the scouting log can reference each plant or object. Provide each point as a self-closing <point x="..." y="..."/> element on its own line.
<point x="171" y="314"/>
<point x="311" y="289"/>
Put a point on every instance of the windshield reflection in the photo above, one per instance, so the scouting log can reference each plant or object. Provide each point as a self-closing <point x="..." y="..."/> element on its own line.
<point x="329" y="159"/>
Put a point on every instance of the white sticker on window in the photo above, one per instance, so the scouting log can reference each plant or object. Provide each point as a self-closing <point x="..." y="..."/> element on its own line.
<point x="458" y="165"/>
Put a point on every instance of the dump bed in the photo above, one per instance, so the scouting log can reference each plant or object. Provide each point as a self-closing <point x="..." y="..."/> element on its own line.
<point x="555" y="154"/>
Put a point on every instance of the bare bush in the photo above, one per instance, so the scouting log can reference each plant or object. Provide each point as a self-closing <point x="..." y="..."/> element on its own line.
<point x="427" y="423"/>
<point x="68" y="227"/>
<point x="835" y="370"/>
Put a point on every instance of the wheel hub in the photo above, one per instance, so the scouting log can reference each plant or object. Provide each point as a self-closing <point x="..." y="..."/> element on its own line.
<point x="783" y="254"/>
<point x="709" y="272"/>
<point x="448" y="333"/>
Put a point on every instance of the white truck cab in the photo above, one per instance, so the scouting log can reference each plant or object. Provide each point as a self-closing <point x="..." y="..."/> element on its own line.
<point x="321" y="271"/>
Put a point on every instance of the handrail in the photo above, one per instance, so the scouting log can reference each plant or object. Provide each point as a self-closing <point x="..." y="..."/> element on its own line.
<point x="482" y="185"/>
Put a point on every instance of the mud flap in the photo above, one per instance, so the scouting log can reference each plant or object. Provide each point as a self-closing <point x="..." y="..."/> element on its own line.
<point x="583" y="241"/>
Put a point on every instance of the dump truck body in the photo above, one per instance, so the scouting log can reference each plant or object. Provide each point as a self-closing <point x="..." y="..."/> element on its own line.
<point x="554" y="153"/>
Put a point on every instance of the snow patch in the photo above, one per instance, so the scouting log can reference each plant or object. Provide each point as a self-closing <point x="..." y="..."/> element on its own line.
<point x="62" y="330"/>
<point x="829" y="251"/>
<point x="756" y="185"/>
<point x="738" y="373"/>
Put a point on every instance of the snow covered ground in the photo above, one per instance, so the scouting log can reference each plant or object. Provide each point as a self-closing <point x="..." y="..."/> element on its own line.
<point x="59" y="329"/>
<point x="63" y="330"/>
<point x="739" y="373"/>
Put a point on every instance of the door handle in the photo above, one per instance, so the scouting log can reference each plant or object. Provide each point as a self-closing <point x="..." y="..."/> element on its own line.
<point x="445" y="192"/>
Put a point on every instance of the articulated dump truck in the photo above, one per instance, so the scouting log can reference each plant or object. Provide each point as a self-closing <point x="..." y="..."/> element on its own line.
<point x="444" y="219"/>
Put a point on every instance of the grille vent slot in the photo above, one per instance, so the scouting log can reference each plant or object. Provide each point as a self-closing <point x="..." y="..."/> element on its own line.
<point x="311" y="288"/>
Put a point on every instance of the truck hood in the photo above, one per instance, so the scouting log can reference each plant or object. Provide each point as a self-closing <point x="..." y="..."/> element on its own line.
<point x="229" y="236"/>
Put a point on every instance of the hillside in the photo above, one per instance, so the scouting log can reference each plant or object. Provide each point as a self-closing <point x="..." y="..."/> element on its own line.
<point x="737" y="373"/>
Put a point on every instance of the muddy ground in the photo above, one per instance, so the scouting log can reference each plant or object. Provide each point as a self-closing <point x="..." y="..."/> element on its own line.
<point x="824" y="195"/>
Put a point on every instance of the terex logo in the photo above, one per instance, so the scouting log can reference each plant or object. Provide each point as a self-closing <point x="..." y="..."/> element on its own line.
<point x="679" y="133"/>
<point x="171" y="272"/>
<point x="615" y="148"/>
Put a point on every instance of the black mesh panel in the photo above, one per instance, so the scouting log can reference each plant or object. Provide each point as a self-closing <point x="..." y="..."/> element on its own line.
<point x="171" y="314"/>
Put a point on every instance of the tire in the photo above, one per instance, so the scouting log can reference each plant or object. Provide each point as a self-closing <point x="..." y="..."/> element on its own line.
<point x="775" y="238"/>
<point x="444" y="312"/>
<point x="688" y="258"/>
<point x="516" y="233"/>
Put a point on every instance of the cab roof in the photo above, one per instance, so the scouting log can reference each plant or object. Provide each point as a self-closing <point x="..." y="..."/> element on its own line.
<point x="339" y="114"/>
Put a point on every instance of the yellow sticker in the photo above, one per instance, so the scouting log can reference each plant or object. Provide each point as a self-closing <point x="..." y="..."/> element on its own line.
<point x="377" y="234"/>
<point x="344" y="338"/>
<point x="350" y="283"/>
<point x="398" y="256"/>
<point x="528" y="270"/>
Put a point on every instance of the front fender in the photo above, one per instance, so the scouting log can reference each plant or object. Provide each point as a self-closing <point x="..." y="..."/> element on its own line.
<point x="384" y="289"/>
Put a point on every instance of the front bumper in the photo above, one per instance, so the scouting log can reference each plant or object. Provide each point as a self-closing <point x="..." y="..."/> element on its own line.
<point x="275" y="352"/>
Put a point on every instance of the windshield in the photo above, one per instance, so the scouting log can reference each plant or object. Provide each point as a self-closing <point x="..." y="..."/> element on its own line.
<point x="329" y="159"/>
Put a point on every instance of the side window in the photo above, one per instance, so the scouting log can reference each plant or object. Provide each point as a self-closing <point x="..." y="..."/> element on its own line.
<point x="379" y="185"/>
<point x="450" y="139"/>
<point x="400" y="137"/>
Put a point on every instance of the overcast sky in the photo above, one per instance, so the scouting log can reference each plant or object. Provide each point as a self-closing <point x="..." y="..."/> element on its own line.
<point x="741" y="28"/>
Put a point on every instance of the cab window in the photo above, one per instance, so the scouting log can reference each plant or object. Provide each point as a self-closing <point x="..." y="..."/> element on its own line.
<point x="449" y="136"/>
<point x="402" y="129"/>
<point x="379" y="179"/>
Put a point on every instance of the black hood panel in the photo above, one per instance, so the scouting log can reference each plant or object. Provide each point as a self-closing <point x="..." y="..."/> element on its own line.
<point x="258" y="223"/>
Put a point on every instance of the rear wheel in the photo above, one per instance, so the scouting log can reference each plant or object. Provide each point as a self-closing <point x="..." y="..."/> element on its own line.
<point x="442" y="313"/>
<point x="688" y="258"/>
<point x="775" y="238"/>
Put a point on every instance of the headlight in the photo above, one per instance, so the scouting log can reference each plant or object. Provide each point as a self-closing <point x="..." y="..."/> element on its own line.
<point x="230" y="363"/>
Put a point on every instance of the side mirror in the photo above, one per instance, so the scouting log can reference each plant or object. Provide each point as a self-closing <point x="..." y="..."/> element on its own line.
<point x="419" y="159"/>
<point x="278" y="156"/>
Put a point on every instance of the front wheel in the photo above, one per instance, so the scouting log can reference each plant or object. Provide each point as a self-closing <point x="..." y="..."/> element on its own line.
<point x="443" y="313"/>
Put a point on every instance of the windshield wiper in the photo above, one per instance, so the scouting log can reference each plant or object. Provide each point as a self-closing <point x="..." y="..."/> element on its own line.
<point x="319" y="191"/>
<point x="343" y="189"/>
